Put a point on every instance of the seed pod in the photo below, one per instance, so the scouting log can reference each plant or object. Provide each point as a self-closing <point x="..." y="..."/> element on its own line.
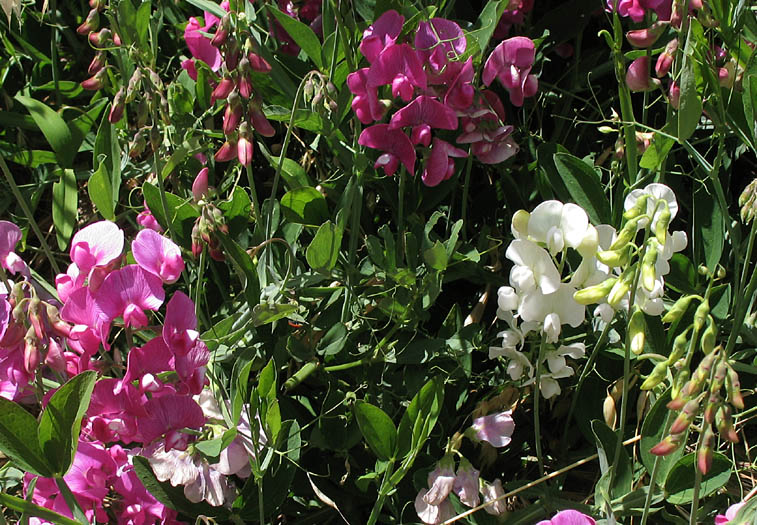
<point x="594" y="294"/>
<point x="733" y="389"/>
<point x="700" y="316"/>
<point x="648" y="274"/>
<point x="679" y="308"/>
<point x="638" y="208"/>
<point x="663" y="221"/>
<point x="636" y="331"/>
<point x="704" y="452"/>
<point x="656" y="377"/>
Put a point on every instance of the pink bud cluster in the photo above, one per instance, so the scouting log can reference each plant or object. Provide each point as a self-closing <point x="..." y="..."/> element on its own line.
<point x="142" y="408"/>
<point x="434" y="85"/>
<point x="224" y="55"/>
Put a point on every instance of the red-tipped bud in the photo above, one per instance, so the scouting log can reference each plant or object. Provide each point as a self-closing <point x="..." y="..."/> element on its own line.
<point x="97" y="4"/>
<point x="260" y="123"/>
<point x="258" y="63"/>
<point x="95" y="82"/>
<point x="226" y="152"/>
<point x="674" y="95"/>
<point x="665" y="60"/>
<point x="637" y="76"/>
<point x="97" y="63"/>
<point x="116" y="40"/>
<point x="704" y="453"/>
<point x="244" y="151"/>
<point x="232" y="54"/>
<point x="117" y="111"/>
<point x="222" y="90"/>
<point x="733" y="387"/>
<point x="245" y="86"/>
<point x="725" y="424"/>
<point x="685" y="418"/>
<point x="200" y="185"/>
<point x="233" y="114"/>
<point x="102" y="38"/>
<point x="31" y="351"/>
<point x="222" y="32"/>
<point x="55" y="358"/>
<point x="726" y="75"/>
<point x="90" y="23"/>
<point x="666" y="446"/>
<point x="644" y="38"/>
<point x="60" y="327"/>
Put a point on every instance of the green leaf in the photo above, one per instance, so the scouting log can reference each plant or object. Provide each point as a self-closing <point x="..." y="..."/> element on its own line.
<point x="240" y="391"/>
<point x="101" y="193"/>
<point x="127" y="22"/>
<point x="750" y="100"/>
<point x="65" y="206"/>
<point x="267" y="313"/>
<point x="21" y="505"/>
<point x="334" y="340"/>
<point x="656" y="153"/>
<point x="210" y="7"/>
<point x="487" y="22"/>
<point x="60" y="422"/>
<point x="107" y="151"/>
<point x="18" y="432"/>
<point x="67" y="88"/>
<point x="690" y="108"/>
<point x="420" y="417"/>
<point x="584" y="186"/>
<point x="652" y="432"/>
<point x="181" y="212"/>
<point x="436" y="257"/>
<point x="301" y="34"/>
<point x="323" y="250"/>
<point x="54" y="128"/>
<point x="305" y="205"/>
<point x="293" y="174"/>
<point x="679" y="484"/>
<point x="143" y="22"/>
<point x="236" y="211"/>
<point x="708" y="228"/>
<point x="173" y="497"/>
<point x="606" y="441"/>
<point x="377" y="428"/>
<point x="244" y="267"/>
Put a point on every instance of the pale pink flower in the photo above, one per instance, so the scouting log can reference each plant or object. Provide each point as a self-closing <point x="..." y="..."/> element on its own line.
<point x="495" y="429"/>
<point x="721" y="519"/>
<point x="569" y="517"/>
<point x="466" y="484"/>
<point x="158" y="255"/>
<point x="432" y="514"/>
<point x="440" y="481"/>
<point x="10" y="234"/>
<point x="96" y="245"/>
<point x="493" y="492"/>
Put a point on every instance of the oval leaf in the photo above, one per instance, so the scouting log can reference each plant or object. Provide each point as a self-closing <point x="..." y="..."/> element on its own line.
<point x="680" y="482"/>
<point x="584" y="186"/>
<point x="377" y="429"/>
<point x="18" y="430"/>
<point x="305" y="205"/>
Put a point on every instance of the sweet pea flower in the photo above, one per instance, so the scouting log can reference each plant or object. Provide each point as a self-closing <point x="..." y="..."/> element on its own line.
<point x="533" y="268"/>
<point x="10" y="234"/>
<point x="440" y="481"/>
<point x="495" y="429"/>
<point x="424" y="110"/>
<point x="128" y="292"/>
<point x="569" y="517"/>
<point x="158" y="255"/>
<point x="381" y="34"/>
<point x="440" y="166"/>
<point x="394" y="143"/>
<point x="365" y="103"/>
<point x="96" y="245"/>
<point x="722" y="519"/>
<point x="637" y="76"/>
<point x="483" y="128"/>
<point x="466" y="485"/>
<point x="445" y="34"/>
<point x="656" y="192"/>
<point x="433" y="514"/>
<point x="199" y="45"/>
<point x="146" y="219"/>
<point x="559" y="225"/>
<point x="180" y="326"/>
<point x="492" y="492"/>
<point x="91" y="323"/>
<point x="401" y="67"/>
<point x="511" y="63"/>
<point x="166" y="415"/>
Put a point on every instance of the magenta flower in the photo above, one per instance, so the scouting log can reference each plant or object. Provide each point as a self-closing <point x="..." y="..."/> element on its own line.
<point x="569" y="517"/>
<point x="365" y="104"/>
<point x="443" y="33"/>
<point x="114" y="410"/>
<point x="424" y="110"/>
<point x="145" y="363"/>
<point x="200" y="185"/>
<point x="401" y="67"/>
<point x="637" y="8"/>
<point x="490" y="140"/>
<point x="180" y="327"/>
<point x="381" y="34"/>
<point x="91" y="324"/>
<point x="722" y="519"/>
<point x="637" y="76"/>
<point x="511" y="63"/>
<point x="439" y="166"/>
<point x="495" y="429"/>
<point x="395" y="145"/>
<point x="167" y="414"/>
<point x="10" y="234"/>
<point x="158" y="255"/>
<point x="96" y="245"/>
<point x="459" y="96"/>
<point x="199" y="45"/>
<point x="190" y="368"/>
<point x="146" y="219"/>
<point x="128" y="292"/>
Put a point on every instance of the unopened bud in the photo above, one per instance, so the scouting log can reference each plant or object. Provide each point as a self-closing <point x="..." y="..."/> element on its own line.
<point x="733" y="389"/>
<point x="648" y="273"/>
<point x="637" y="76"/>
<point x="200" y="185"/>
<point x="663" y="221"/>
<point x="679" y="308"/>
<point x="614" y="258"/>
<point x="117" y="111"/>
<point x="97" y="63"/>
<point x="639" y="207"/>
<point x="656" y="377"/>
<point x="665" y="60"/>
<point x="725" y="424"/>
<point x="101" y="38"/>
<point x="701" y="314"/>
<point x="704" y="452"/>
<point x="627" y="232"/>
<point x="643" y="38"/>
<point x="609" y="412"/>
<point x="594" y="294"/>
<point x="678" y="383"/>
<point x="667" y="446"/>
<point x="31" y="351"/>
<point x="707" y="343"/>
<point x="222" y="90"/>
<point x="636" y="331"/>
<point x="95" y="82"/>
<point x="90" y="23"/>
<point x="233" y="114"/>
<point x="685" y="417"/>
<point x="233" y="52"/>
<point x="226" y="152"/>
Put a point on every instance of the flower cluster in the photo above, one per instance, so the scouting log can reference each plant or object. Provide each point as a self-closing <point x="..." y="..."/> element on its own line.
<point x="545" y="293"/>
<point x="435" y="84"/>
<point x="235" y="65"/>
<point x="143" y="408"/>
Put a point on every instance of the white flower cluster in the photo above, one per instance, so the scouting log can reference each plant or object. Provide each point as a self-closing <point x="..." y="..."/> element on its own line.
<point x="545" y="293"/>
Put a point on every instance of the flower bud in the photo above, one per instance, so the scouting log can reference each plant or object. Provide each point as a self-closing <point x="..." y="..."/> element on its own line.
<point x="155" y="137"/>
<point x="667" y="446"/>
<point x="222" y="32"/>
<point x="102" y="38"/>
<point x="233" y="114"/>
<point x="679" y="308"/>
<point x="678" y="383"/>
<point x="232" y="54"/>
<point x="725" y="424"/>
<point x="258" y="64"/>
<point x="643" y="38"/>
<point x="60" y="327"/>
<point x="244" y="146"/>
<point x="704" y="452"/>
<point x="31" y="351"/>
<point x="701" y="314"/>
<point x="674" y="95"/>
<point x="614" y="258"/>
<point x="222" y="90"/>
<point x="519" y="225"/>
<point x="704" y="368"/>
<point x="96" y="82"/>
<point x="638" y="208"/>
<point x="97" y="63"/>
<point x="665" y="60"/>
<point x="134" y="86"/>
<point x="594" y="294"/>
<point x="626" y="233"/>
<point x="226" y="152"/>
<point x="648" y="274"/>
<point x="117" y="110"/>
<point x="609" y="411"/>
<point x="636" y="331"/>
<point x="656" y="377"/>
<point x="707" y="343"/>
<point x="713" y="402"/>
<point x="259" y="122"/>
<point x="200" y="185"/>
<point x="685" y="417"/>
<point x="733" y="389"/>
<point x="637" y="76"/>
<point x="90" y="23"/>
<point x="679" y="347"/>
<point x="663" y="221"/>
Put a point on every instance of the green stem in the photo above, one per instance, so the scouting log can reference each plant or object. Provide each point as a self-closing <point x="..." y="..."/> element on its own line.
<point x="466" y="189"/>
<point x="653" y="478"/>
<point x="626" y="108"/>
<point x="54" y="53"/>
<point x="255" y="206"/>
<point x="261" y="502"/>
<point x="697" y="483"/>
<point x="21" y="505"/>
<point x="29" y="216"/>
<point x="537" y="395"/>
<point x="383" y="491"/>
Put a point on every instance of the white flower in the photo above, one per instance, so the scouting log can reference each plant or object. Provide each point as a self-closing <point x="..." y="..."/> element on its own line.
<point x="656" y="192"/>
<point x="555" y="359"/>
<point x="558" y="225"/>
<point x="533" y="267"/>
<point x="537" y="306"/>
<point x="507" y="299"/>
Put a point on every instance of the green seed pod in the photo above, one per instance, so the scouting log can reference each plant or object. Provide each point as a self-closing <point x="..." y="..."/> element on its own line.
<point x="656" y="377"/>
<point x="638" y="208"/>
<point x="636" y="331"/>
<point x="707" y="342"/>
<point x="679" y="308"/>
<point x="700" y="316"/>
<point x="733" y="389"/>
<point x="648" y="274"/>
<point x="663" y="221"/>
<point x="594" y="294"/>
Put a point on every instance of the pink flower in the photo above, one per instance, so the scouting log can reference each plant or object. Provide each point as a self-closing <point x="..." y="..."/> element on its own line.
<point x="96" y="245"/>
<point x="365" y="104"/>
<point x="495" y="429"/>
<point x="91" y="324"/>
<point x="721" y="519"/>
<point x="466" y="484"/>
<point x="381" y="34"/>
<point x="147" y="220"/>
<point x="439" y="166"/>
<point x="493" y="492"/>
<point x="180" y="327"/>
<point x="158" y="255"/>
<point x="167" y="414"/>
<point x="637" y="76"/>
<point x="569" y="517"/>
<point x="199" y="45"/>
<point x="401" y="67"/>
<point x="443" y="33"/>
<point x="511" y="63"/>
<point x="644" y="38"/>
<point x="424" y="110"/>
<point x="440" y="481"/>
<point x="10" y="234"/>
<point x="432" y="514"/>
<point x="459" y="96"/>
<point x="128" y="292"/>
<point x="484" y="129"/>
<point x="145" y="363"/>
<point x="395" y="145"/>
